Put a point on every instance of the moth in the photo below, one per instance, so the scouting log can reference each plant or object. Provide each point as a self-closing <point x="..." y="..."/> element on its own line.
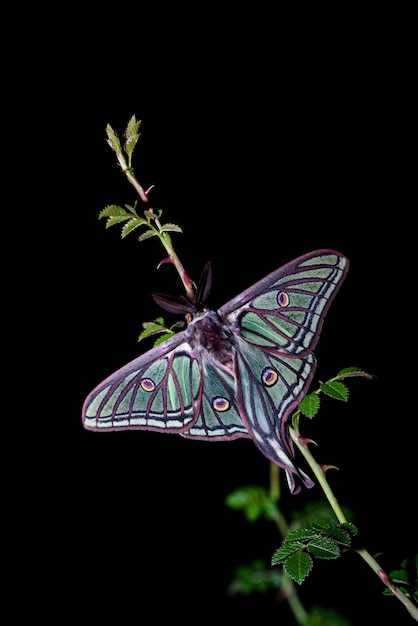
<point x="239" y="371"/>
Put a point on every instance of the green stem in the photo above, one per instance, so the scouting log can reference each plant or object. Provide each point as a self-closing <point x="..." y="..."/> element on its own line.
<point x="288" y="589"/>
<point x="164" y="237"/>
<point x="319" y="475"/>
<point x="365" y="555"/>
<point x="410" y="606"/>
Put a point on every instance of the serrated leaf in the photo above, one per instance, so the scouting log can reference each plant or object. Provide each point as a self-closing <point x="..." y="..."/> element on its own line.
<point x="117" y="219"/>
<point x="339" y="535"/>
<point x="170" y="228"/>
<point x="159" y="321"/>
<point x="302" y="534"/>
<point x="350" y="372"/>
<point x="147" y="235"/>
<point x="112" y="210"/>
<point x="132" y="135"/>
<point x="320" y="524"/>
<point x="133" y="126"/>
<point x="150" y="331"/>
<point x="324" y="548"/>
<point x="285" y="550"/>
<point x="335" y="389"/>
<point x="310" y="405"/>
<point x="298" y="566"/>
<point x="161" y="339"/>
<point x="134" y="223"/>
<point x="113" y="139"/>
<point x="352" y="528"/>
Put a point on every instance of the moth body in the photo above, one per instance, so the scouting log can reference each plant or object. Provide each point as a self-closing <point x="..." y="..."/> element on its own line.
<point x="209" y="335"/>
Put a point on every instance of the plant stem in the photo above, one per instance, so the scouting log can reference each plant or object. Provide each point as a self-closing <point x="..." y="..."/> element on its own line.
<point x="288" y="590"/>
<point x="164" y="237"/>
<point x="320" y="476"/>
<point x="114" y="142"/>
<point x="410" y="606"/>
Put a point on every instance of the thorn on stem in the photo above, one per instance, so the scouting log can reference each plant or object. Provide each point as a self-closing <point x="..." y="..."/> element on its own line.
<point x="325" y="468"/>
<point x="149" y="189"/>
<point x="304" y="441"/>
<point x="168" y="259"/>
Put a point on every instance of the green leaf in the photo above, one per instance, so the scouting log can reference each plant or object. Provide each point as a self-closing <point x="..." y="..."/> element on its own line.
<point x="170" y="228"/>
<point x="310" y="405"/>
<point x="399" y="576"/>
<point x="112" y="210"/>
<point x="252" y="500"/>
<point x="351" y="372"/>
<point x="149" y="331"/>
<point x="340" y="533"/>
<point x="166" y="335"/>
<point x="320" y="524"/>
<point x="135" y="222"/>
<point x="117" y="219"/>
<point x="147" y="235"/>
<point x="302" y="534"/>
<point x="324" y="548"/>
<point x="132" y="135"/>
<point x="158" y="327"/>
<point x="406" y="578"/>
<point x="298" y="566"/>
<point x="350" y="527"/>
<point x="335" y="389"/>
<point x="113" y="139"/>
<point x="286" y="549"/>
<point x="159" y="321"/>
<point x="340" y="536"/>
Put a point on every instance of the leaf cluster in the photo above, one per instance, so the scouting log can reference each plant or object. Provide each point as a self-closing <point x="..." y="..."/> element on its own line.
<point x="130" y="219"/>
<point x="321" y="540"/>
<point x="254" y="501"/>
<point x="131" y="136"/>
<point x="158" y="327"/>
<point x="334" y="388"/>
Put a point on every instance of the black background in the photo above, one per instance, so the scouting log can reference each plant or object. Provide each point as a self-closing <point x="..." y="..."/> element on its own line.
<point x="261" y="151"/>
